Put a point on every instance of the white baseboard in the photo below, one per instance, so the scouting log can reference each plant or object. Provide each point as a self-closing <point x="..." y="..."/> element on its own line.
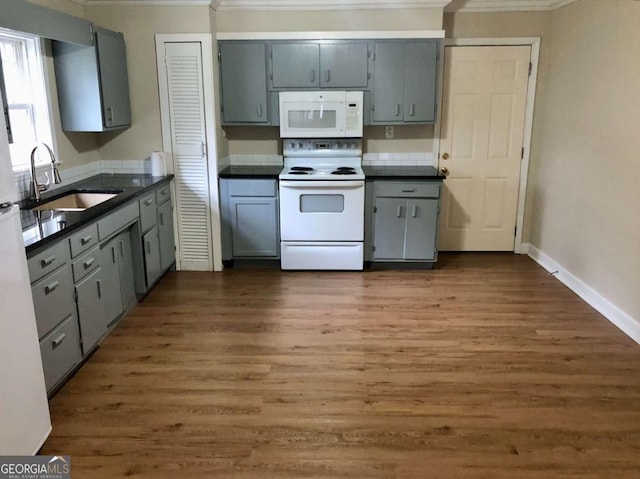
<point x="629" y="325"/>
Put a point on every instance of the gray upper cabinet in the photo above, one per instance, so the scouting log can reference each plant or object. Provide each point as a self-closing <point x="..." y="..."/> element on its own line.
<point x="320" y="65"/>
<point x="243" y="79"/>
<point x="295" y="65"/>
<point x="114" y="79"/>
<point x="405" y="77"/>
<point x="93" y="84"/>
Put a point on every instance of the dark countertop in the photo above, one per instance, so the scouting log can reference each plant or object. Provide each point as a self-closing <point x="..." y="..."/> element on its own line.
<point x="402" y="173"/>
<point x="40" y="228"/>
<point x="251" y="171"/>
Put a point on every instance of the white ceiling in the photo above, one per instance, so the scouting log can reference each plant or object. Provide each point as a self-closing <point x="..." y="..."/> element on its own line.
<point x="450" y="5"/>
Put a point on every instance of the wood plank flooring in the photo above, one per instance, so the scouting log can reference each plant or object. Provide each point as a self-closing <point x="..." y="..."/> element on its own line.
<point x="486" y="367"/>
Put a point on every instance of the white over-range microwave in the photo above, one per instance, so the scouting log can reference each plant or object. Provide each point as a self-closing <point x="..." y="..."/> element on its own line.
<point x="321" y="114"/>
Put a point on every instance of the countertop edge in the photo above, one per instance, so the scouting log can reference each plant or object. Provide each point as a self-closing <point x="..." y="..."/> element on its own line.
<point x="94" y="215"/>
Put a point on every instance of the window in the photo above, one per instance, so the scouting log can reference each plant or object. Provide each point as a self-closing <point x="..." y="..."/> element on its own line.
<point x="26" y="96"/>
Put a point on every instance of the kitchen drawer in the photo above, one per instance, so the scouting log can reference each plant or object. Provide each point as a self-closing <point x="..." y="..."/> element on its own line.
<point x="117" y="221"/>
<point x="86" y="264"/>
<point x="60" y="351"/>
<point x="53" y="299"/>
<point x="147" y="212"/>
<point x="47" y="261"/>
<point x="163" y="194"/>
<point x="409" y="189"/>
<point x="252" y="188"/>
<point x="83" y="240"/>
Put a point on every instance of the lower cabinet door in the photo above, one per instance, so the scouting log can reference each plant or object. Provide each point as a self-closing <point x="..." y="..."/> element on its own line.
<point x="111" y="294"/>
<point x="165" y="235"/>
<point x="390" y="223"/>
<point x="60" y="351"/>
<point x="125" y="261"/>
<point x="422" y="218"/>
<point x="254" y="227"/>
<point x="91" y="309"/>
<point x="151" y="247"/>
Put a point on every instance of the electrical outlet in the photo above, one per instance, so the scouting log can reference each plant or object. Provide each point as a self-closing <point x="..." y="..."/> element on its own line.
<point x="389" y="132"/>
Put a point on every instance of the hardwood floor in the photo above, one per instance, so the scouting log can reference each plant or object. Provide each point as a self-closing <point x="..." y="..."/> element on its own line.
<point x="486" y="367"/>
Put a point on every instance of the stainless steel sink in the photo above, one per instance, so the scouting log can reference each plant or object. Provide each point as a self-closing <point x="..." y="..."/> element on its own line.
<point x="75" y="202"/>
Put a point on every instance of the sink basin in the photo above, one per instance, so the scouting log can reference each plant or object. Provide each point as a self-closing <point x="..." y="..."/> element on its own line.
<point x="75" y="202"/>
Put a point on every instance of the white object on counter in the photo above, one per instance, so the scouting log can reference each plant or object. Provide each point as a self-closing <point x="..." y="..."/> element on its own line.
<point x="158" y="163"/>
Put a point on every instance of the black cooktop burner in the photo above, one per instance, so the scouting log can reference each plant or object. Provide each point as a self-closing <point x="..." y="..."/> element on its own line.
<point x="296" y="172"/>
<point x="301" y="168"/>
<point x="344" y="172"/>
<point x="345" y="168"/>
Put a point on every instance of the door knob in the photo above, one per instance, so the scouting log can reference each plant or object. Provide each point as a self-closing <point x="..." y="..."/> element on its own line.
<point x="444" y="170"/>
<point x="445" y="156"/>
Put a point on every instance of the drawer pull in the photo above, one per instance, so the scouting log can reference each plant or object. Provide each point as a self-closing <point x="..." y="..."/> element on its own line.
<point x="86" y="239"/>
<point x="409" y="190"/>
<point x="414" y="212"/>
<point x="58" y="341"/>
<point x="164" y="192"/>
<point x="87" y="264"/>
<point x="50" y="288"/>
<point x="148" y="202"/>
<point x="47" y="261"/>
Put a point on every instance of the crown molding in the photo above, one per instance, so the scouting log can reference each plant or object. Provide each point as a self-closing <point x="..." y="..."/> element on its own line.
<point x="172" y="3"/>
<point x="337" y="35"/>
<point x="279" y="4"/>
<point x="506" y="5"/>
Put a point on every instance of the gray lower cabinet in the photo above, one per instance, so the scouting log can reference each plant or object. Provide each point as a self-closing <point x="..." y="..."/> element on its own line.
<point x="126" y="269"/>
<point x="405" y="220"/>
<point x="92" y="308"/>
<point x="243" y="82"/>
<point x="112" y="293"/>
<point x="151" y="247"/>
<point x="405" y="78"/>
<point x="165" y="235"/>
<point x="250" y="219"/>
<point x="60" y="351"/>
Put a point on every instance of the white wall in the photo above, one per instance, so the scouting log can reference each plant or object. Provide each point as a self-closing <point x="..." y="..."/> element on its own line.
<point x="584" y="187"/>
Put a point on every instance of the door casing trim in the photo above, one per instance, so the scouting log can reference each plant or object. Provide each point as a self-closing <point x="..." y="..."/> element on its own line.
<point x="520" y="247"/>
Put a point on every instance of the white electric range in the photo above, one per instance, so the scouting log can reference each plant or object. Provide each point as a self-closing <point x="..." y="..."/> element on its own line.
<point x="322" y="205"/>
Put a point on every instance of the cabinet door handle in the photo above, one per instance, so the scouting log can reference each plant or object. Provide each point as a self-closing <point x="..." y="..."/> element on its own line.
<point x="122" y="248"/>
<point x="161" y="219"/>
<point x="113" y="254"/>
<point x="47" y="261"/>
<point x="260" y="110"/>
<point x="147" y="247"/>
<point x="412" y="110"/>
<point x="99" y="285"/>
<point x="87" y="264"/>
<point x="313" y="76"/>
<point x="86" y="239"/>
<point x="414" y="211"/>
<point x="148" y="202"/>
<point x="58" y="341"/>
<point x="399" y="212"/>
<point x="50" y="288"/>
<point x="397" y="109"/>
<point x="328" y="76"/>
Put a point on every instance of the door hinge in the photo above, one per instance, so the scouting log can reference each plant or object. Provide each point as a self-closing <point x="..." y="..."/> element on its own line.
<point x="375" y="209"/>
<point x="219" y="57"/>
<point x="373" y="248"/>
<point x="530" y="68"/>
<point x="515" y="231"/>
<point x="522" y="154"/>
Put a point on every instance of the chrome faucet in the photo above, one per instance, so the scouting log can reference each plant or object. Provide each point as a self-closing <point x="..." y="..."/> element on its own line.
<point x="36" y="187"/>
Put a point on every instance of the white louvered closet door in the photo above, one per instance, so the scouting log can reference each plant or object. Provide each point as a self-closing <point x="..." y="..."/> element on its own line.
<point x="188" y="140"/>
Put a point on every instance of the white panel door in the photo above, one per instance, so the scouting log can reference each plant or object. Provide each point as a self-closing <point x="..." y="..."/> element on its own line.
<point x="483" y="118"/>
<point x="188" y="141"/>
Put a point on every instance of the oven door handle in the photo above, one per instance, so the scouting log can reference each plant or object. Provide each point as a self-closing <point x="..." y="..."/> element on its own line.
<point x="315" y="185"/>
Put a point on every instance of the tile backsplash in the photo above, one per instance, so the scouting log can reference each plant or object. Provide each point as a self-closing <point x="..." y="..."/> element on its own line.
<point x="398" y="159"/>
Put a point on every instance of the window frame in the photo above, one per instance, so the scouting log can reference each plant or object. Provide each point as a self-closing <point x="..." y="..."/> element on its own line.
<point x="40" y="109"/>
